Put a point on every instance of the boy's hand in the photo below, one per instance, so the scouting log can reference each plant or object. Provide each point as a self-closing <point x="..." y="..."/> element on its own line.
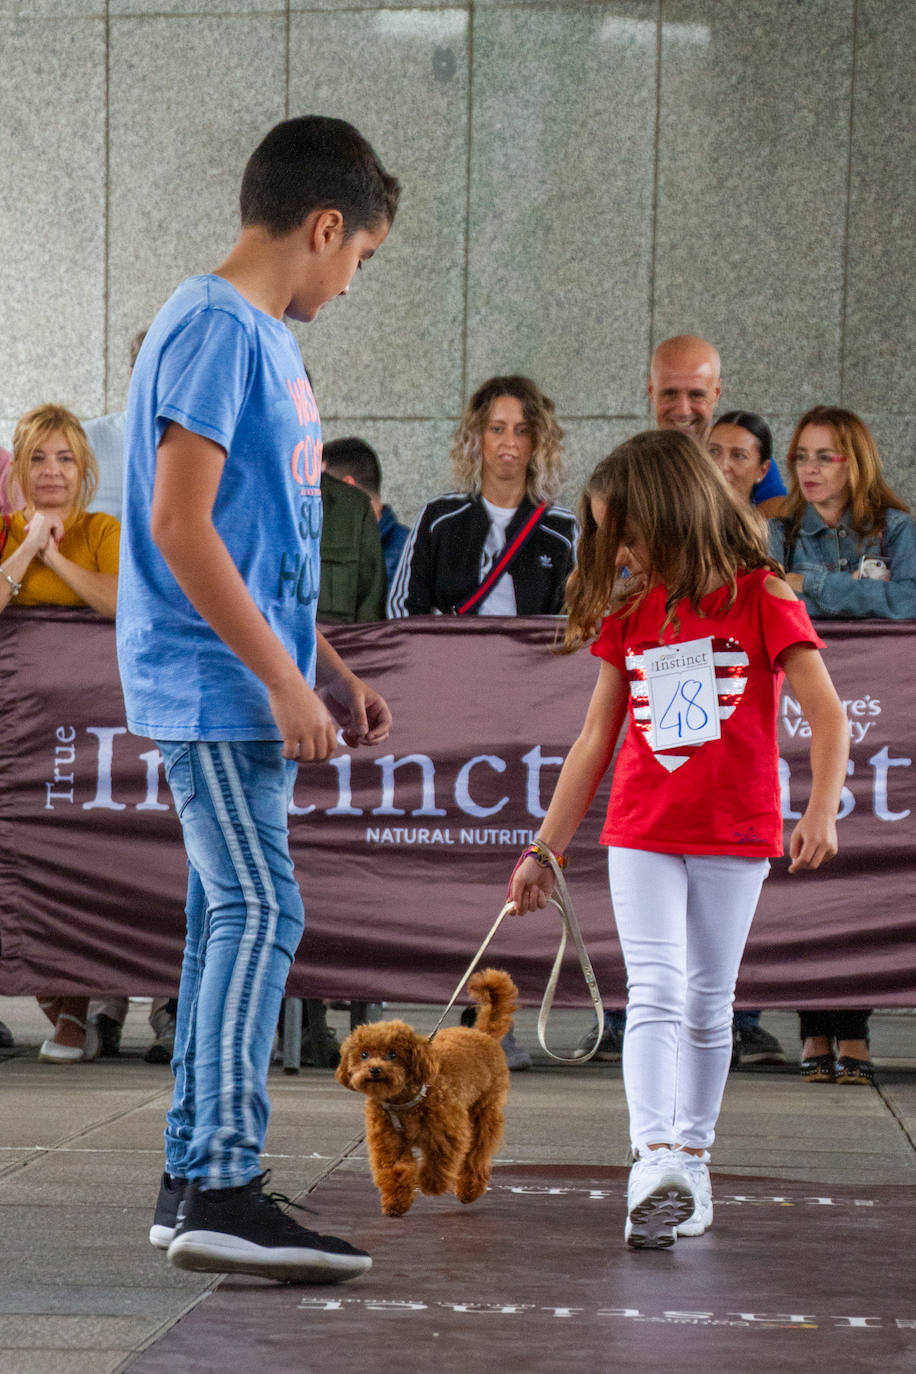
<point x="359" y="709"/>
<point x="530" y="886"/>
<point x="309" y="733"/>
<point x="813" y="842"/>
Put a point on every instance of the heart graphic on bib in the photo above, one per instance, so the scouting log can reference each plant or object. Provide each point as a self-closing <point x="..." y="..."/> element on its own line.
<point x="731" y="669"/>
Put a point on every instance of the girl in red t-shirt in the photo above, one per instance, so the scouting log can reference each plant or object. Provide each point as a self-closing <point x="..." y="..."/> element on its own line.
<point x="694" y="626"/>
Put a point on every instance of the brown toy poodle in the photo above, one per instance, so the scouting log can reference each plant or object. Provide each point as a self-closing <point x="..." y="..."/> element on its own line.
<point x="434" y="1108"/>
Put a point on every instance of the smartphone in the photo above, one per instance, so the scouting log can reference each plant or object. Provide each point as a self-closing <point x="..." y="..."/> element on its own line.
<point x="876" y="569"/>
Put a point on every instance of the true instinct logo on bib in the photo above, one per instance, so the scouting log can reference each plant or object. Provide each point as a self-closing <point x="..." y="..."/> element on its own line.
<point x="681" y="680"/>
<point x="681" y="693"/>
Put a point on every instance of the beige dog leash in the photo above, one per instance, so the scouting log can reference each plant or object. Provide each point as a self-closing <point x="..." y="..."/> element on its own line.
<point x="562" y="900"/>
<point x="571" y="930"/>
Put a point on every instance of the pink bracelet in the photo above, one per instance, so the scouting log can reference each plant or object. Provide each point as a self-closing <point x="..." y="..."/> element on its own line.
<point x="539" y="851"/>
<point x="543" y="853"/>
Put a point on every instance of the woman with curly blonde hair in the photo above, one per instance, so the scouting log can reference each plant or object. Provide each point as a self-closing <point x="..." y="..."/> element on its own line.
<point x="498" y="545"/>
<point x="546" y="467"/>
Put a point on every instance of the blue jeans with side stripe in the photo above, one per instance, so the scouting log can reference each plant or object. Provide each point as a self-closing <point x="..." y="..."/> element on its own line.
<point x="244" y="922"/>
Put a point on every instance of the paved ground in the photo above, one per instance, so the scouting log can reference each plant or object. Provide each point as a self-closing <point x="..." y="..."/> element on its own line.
<point x="81" y="1291"/>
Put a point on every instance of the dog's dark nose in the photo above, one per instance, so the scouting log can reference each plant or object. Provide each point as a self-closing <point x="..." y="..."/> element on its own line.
<point x="375" y="1071"/>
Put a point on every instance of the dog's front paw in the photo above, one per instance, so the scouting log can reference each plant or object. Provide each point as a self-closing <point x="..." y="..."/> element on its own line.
<point x="469" y="1189"/>
<point x="397" y="1186"/>
<point x="396" y="1206"/>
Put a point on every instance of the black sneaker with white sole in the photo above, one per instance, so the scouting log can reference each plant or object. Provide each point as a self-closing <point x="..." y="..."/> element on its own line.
<point x="165" y="1219"/>
<point x="245" y="1231"/>
<point x="609" y="1049"/>
<point x="757" y="1046"/>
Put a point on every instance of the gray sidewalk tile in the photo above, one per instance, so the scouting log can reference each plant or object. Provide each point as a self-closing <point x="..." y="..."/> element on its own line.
<point x="81" y="1289"/>
<point x="66" y="1361"/>
<point x="73" y="1332"/>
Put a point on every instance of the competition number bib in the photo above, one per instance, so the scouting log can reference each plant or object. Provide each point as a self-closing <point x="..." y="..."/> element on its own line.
<point x="683" y="703"/>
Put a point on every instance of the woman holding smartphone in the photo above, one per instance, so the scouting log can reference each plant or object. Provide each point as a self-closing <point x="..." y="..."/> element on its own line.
<point x="846" y="541"/>
<point x="848" y="546"/>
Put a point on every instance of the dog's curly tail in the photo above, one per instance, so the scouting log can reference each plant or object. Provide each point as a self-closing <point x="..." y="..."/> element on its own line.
<point x="494" y="993"/>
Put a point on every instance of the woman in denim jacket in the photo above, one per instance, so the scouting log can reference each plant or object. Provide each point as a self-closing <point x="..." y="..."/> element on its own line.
<point x="849" y="549"/>
<point x="847" y="543"/>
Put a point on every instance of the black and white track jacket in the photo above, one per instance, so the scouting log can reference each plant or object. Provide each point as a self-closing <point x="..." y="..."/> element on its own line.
<point x="440" y="564"/>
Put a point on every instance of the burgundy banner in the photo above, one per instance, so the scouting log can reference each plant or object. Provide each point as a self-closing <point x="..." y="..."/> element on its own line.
<point x="404" y="851"/>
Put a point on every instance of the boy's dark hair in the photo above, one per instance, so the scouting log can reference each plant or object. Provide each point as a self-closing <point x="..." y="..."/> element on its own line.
<point x="315" y="163"/>
<point x="354" y="458"/>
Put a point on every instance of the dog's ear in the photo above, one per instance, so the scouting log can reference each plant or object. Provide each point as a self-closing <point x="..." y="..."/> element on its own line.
<point x="420" y="1062"/>
<point x="342" y="1072"/>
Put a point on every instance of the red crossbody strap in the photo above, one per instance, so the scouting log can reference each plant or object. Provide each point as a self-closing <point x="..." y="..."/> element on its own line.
<point x="508" y="555"/>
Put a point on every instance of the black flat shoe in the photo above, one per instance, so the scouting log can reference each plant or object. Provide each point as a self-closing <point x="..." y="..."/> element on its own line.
<point x="854" y="1072"/>
<point x="818" y="1069"/>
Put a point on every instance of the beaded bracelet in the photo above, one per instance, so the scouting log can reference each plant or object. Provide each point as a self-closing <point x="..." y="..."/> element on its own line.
<point x="16" y="586"/>
<point x="543" y="854"/>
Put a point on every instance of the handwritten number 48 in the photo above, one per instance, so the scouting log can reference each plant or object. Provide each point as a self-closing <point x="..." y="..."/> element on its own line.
<point x="686" y="711"/>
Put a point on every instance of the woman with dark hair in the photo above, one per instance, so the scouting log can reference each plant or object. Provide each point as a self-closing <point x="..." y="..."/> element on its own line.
<point x="848" y="546"/>
<point x="497" y="545"/>
<point x="741" y="446"/>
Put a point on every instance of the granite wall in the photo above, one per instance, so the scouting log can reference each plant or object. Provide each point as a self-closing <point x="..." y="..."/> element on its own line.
<point x="580" y="181"/>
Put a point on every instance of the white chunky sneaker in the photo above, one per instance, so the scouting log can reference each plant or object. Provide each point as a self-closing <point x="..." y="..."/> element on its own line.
<point x="659" y="1199"/>
<point x="697" y="1170"/>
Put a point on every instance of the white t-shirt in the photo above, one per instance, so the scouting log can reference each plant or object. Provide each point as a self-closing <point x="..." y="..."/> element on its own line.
<point x="501" y="600"/>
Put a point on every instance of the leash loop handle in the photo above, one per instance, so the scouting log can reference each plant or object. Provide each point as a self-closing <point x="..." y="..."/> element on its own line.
<point x="562" y="900"/>
<point x="570" y="930"/>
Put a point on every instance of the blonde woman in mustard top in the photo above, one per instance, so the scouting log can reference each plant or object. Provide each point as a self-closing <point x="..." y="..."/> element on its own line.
<point x="58" y="554"/>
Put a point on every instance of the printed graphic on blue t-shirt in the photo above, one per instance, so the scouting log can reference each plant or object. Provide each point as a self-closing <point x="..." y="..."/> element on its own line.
<point x="217" y="366"/>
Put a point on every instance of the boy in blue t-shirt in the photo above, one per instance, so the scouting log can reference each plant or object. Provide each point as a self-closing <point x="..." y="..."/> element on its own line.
<point x="220" y="660"/>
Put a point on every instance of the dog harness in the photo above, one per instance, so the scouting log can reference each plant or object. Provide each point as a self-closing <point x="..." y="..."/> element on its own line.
<point x="392" y="1108"/>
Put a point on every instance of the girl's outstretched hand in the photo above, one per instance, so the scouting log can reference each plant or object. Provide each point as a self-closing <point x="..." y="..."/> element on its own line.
<point x="813" y="842"/>
<point x="530" y="886"/>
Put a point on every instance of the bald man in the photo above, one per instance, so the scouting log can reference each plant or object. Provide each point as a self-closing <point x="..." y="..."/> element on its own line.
<point x="685" y="383"/>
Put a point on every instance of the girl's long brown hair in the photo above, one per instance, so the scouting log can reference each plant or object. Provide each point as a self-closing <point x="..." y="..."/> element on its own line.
<point x="661" y="485"/>
<point x="870" y="498"/>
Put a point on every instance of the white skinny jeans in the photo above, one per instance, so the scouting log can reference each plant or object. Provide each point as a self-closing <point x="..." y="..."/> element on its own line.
<point x="683" y="920"/>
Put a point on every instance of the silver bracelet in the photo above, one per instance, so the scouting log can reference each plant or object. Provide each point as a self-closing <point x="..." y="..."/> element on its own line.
<point x="16" y="586"/>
